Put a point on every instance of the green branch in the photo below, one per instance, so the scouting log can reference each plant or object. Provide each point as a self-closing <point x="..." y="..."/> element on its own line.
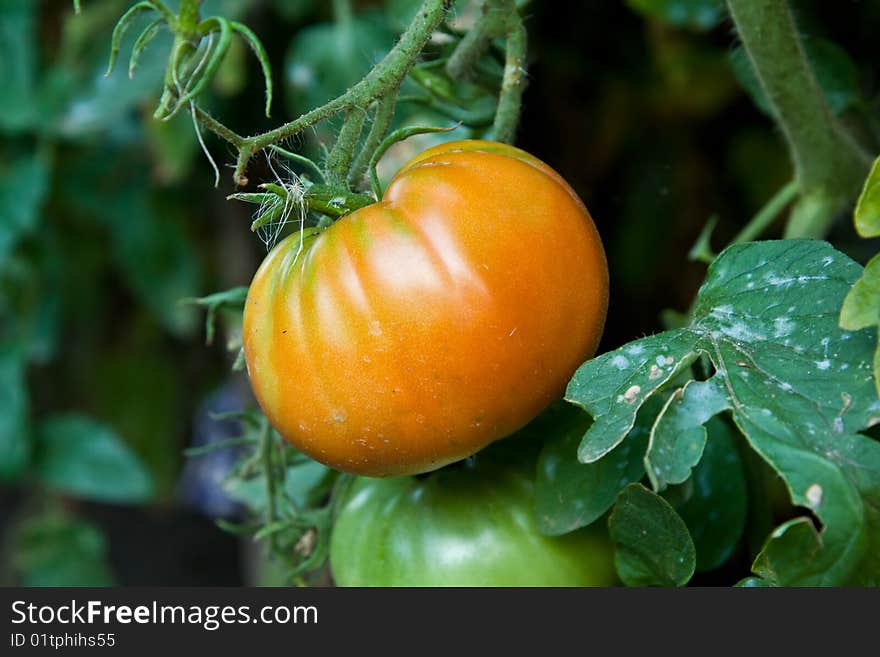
<point x="499" y="18"/>
<point x="269" y="472"/>
<point x="382" y="119"/>
<point x="514" y="82"/>
<point x="188" y="18"/>
<point x="385" y="77"/>
<point x="490" y="25"/>
<point x="829" y="164"/>
<point x="767" y="214"/>
<point x="218" y="128"/>
<point x="339" y="159"/>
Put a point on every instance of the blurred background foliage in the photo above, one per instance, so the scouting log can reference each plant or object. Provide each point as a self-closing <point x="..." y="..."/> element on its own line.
<point x="108" y="220"/>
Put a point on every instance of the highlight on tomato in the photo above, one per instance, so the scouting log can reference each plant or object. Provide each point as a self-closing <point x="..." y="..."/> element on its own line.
<point x="415" y="331"/>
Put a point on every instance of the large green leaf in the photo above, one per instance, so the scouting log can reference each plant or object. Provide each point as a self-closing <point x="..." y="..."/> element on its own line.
<point x="679" y="435"/>
<point x="798" y="387"/>
<point x="652" y="546"/>
<point x="713" y="501"/>
<point x="15" y="445"/>
<point x="81" y="457"/>
<point x="570" y="494"/>
<point x="55" y="550"/>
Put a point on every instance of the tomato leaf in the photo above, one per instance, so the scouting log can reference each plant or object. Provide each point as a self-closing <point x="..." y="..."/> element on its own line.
<point x="752" y="583"/>
<point x="679" y="435"/>
<point x="652" y="545"/>
<point x="15" y="444"/>
<point x="24" y="182"/>
<point x="233" y="298"/>
<point x="797" y="386"/>
<point x="18" y="64"/>
<point x="835" y="71"/>
<point x="867" y="214"/>
<point x="570" y="494"/>
<point x="861" y="307"/>
<point x="626" y="378"/>
<point x="54" y="550"/>
<point x="81" y="457"/>
<point x="299" y="482"/>
<point x="695" y="14"/>
<point x="715" y="504"/>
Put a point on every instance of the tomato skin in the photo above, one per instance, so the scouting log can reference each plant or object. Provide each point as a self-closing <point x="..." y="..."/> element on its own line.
<point x="460" y="526"/>
<point x="415" y="331"/>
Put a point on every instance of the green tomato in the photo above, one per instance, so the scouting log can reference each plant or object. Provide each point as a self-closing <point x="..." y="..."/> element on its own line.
<point x="468" y="525"/>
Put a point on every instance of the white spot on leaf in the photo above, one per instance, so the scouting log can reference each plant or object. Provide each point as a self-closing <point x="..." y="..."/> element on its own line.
<point x="631" y="394"/>
<point x="814" y="495"/>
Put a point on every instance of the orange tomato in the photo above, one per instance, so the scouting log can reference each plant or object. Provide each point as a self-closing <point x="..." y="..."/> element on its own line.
<point x="415" y="331"/>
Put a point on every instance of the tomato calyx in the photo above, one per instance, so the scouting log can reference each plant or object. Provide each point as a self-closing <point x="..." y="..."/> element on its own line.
<point x="280" y="201"/>
<point x="335" y="202"/>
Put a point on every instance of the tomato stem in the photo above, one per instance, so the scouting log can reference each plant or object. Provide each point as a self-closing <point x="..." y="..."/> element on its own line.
<point x="384" y="114"/>
<point x="514" y="81"/>
<point x="269" y="474"/>
<point x="499" y="18"/>
<point x="473" y="45"/>
<point x="829" y="164"/>
<point x="339" y="159"/>
<point x="188" y="17"/>
<point x="385" y="76"/>
<point x="767" y="214"/>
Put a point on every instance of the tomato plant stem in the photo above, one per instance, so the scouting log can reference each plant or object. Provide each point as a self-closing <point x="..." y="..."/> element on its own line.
<point x="499" y="18"/>
<point x="767" y="214"/>
<point x="339" y="159"/>
<point x="269" y="473"/>
<point x="385" y="76"/>
<point x="382" y="118"/>
<point x="188" y="17"/>
<point x="218" y="128"/>
<point x="513" y="84"/>
<point x="472" y="46"/>
<point x="829" y="164"/>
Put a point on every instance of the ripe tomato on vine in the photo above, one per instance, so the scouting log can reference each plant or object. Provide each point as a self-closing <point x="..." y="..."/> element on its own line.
<point x="417" y="330"/>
